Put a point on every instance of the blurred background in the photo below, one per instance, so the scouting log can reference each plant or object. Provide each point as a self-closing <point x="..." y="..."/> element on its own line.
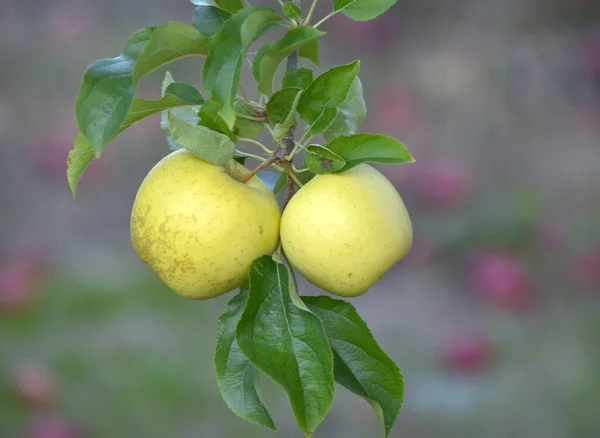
<point x="494" y="317"/>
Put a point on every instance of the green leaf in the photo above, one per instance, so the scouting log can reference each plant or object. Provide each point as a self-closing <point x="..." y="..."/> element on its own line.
<point x="287" y="343"/>
<point x="310" y="51"/>
<point x="235" y="374"/>
<point x="107" y="88"/>
<point x="281" y="183"/>
<point x="80" y="157"/>
<point x="361" y="148"/>
<point x="240" y="159"/>
<point x="321" y="160"/>
<point x="281" y="109"/>
<point x="104" y="100"/>
<point x="185" y="92"/>
<point x="228" y="5"/>
<point x="351" y="113"/>
<point x="83" y="154"/>
<point x="298" y="78"/>
<point x="362" y="10"/>
<point x="281" y="105"/>
<point x="209" y="20"/>
<point x="210" y="116"/>
<point x="223" y="66"/>
<point x="319" y="103"/>
<point x="142" y="108"/>
<point x="138" y="42"/>
<point x="360" y="364"/>
<point x="244" y="127"/>
<point x="231" y="6"/>
<point x="169" y="42"/>
<point x="290" y="10"/>
<point x="189" y="114"/>
<point x="209" y="145"/>
<point x="270" y="56"/>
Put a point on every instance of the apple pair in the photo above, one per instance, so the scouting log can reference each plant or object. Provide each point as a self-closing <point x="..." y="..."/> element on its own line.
<point x="200" y="228"/>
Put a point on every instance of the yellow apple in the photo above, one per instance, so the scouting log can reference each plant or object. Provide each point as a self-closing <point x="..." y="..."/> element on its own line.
<point x="199" y="228"/>
<point x="343" y="232"/>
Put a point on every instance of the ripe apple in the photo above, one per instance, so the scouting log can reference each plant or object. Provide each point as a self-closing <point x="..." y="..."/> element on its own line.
<point x="343" y="232"/>
<point x="199" y="227"/>
<point x="35" y="385"/>
<point x="501" y="279"/>
<point x="465" y="351"/>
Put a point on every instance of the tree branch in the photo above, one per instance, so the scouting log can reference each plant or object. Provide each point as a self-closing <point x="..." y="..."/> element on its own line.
<point x="288" y="141"/>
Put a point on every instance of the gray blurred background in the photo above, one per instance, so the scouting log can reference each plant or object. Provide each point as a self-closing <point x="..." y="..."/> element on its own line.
<point x="493" y="317"/>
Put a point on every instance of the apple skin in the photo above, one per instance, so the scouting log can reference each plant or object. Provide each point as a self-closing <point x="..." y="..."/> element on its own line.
<point x="343" y="232"/>
<point x="199" y="228"/>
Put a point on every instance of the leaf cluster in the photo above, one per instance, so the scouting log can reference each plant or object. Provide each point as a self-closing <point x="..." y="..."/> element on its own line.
<point x="305" y="344"/>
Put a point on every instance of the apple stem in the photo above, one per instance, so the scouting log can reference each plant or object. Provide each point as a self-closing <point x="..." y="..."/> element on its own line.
<point x="271" y="160"/>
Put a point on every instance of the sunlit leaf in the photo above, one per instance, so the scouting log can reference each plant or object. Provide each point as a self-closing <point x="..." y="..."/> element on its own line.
<point x="360" y="364"/>
<point x="290" y="10"/>
<point x="169" y="42"/>
<point x="319" y="103"/>
<point x="107" y="88"/>
<point x="321" y="160"/>
<point x="209" y="20"/>
<point x="80" y="157"/>
<point x="210" y="116"/>
<point x="362" y="10"/>
<point x="228" y="49"/>
<point x="298" y="78"/>
<point x="228" y="5"/>
<point x="362" y="148"/>
<point x="287" y="343"/>
<point x="209" y="145"/>
<point x="244" y="127"/>
<point x="310" y="51"/>
<point x="82" y="154"/>
<point x="281" y="109"/>
<point x="351" y="113"/>
<point x="270" y="56"/>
